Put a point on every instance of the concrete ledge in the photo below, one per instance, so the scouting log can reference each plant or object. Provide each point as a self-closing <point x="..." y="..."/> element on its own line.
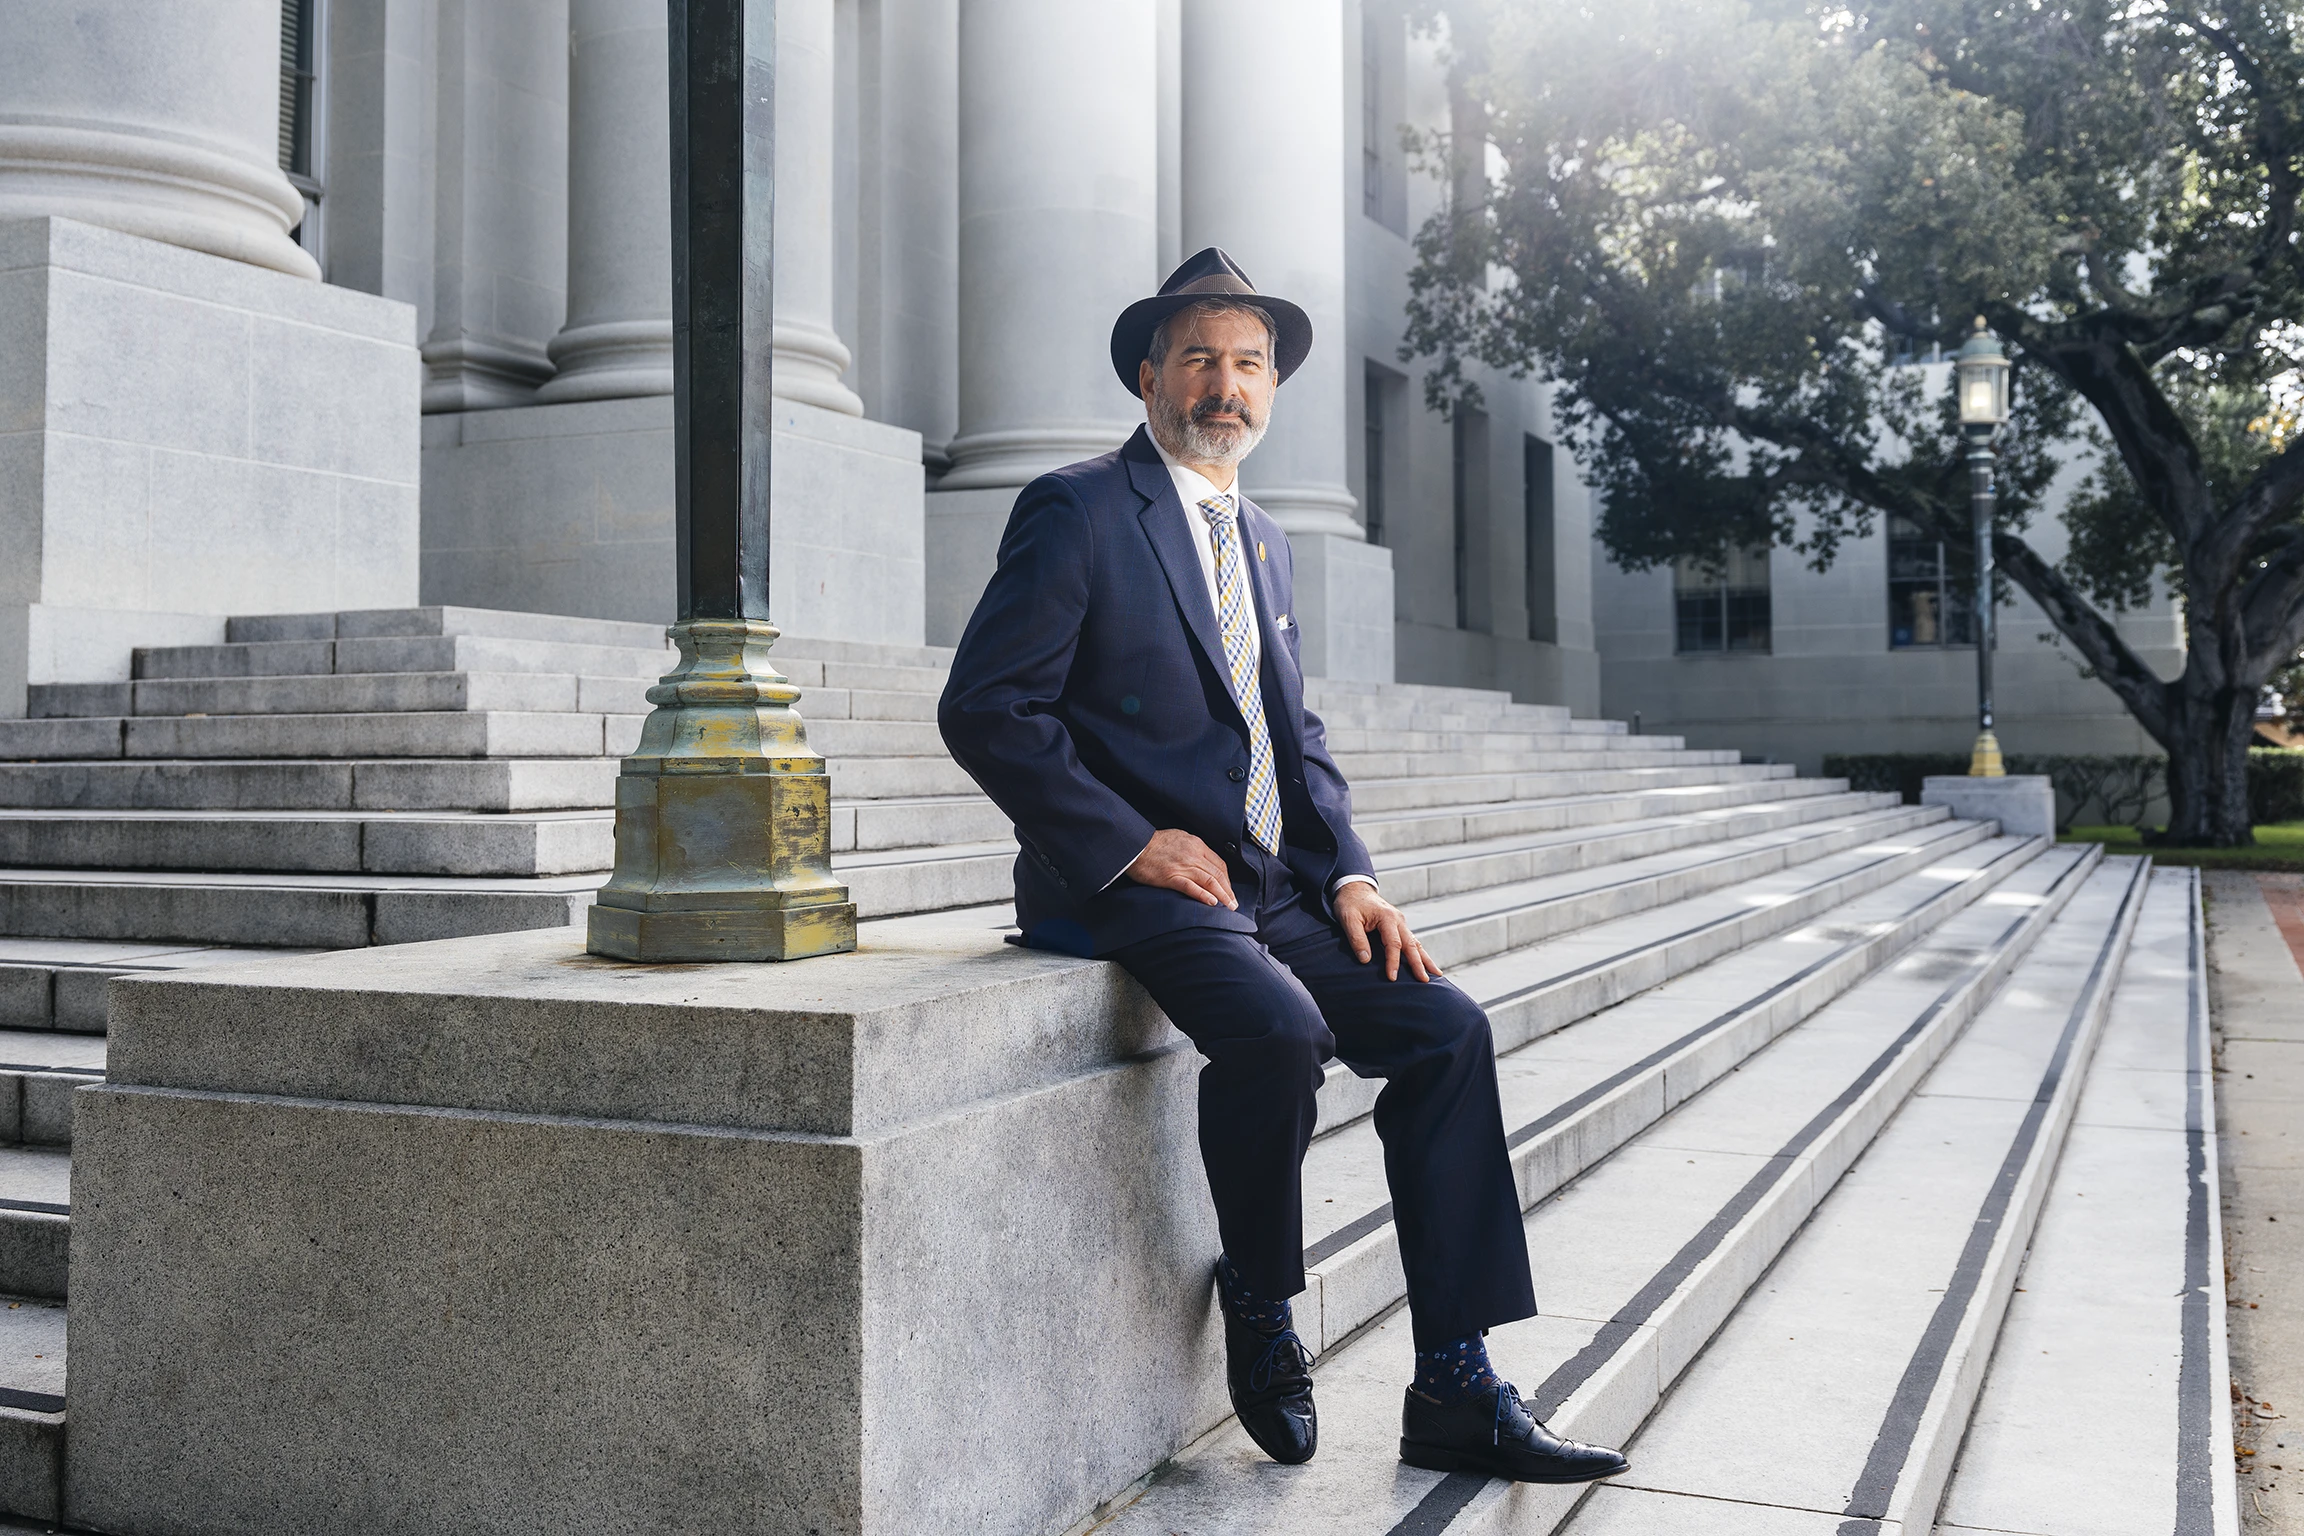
<point x="2024" y="804"/>
<point x="910" y="1239"/>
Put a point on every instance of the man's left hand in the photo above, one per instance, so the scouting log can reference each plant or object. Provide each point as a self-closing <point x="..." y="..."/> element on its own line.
<point x="1370" y="920"/>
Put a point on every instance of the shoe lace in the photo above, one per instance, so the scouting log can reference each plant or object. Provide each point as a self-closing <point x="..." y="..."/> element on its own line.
<point x="1268" y="1363"/>
<point x="1507" y="1402"/>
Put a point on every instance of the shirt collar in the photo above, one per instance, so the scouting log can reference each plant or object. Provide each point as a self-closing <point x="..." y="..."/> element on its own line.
<point x="1193" y="487"/>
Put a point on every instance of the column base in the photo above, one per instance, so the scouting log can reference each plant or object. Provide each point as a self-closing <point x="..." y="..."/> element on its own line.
<point x="1344" y="606"/>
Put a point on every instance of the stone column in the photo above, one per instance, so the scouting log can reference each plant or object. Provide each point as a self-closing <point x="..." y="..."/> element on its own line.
<point x="159" y="121"/>
<point x="1265" y="177"/>
<point x="618" y="339"/>
<point x="810" y="357"/>
<point x="500" y="219"/>
<point x="1059" y="227"/>
<point x="1263" y="149"/>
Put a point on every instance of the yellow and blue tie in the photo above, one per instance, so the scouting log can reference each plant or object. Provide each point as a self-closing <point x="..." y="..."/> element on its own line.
<point x="1234" y="614"/>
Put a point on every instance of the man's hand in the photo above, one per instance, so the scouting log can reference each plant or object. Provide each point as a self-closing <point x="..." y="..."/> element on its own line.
<point x="1364" y="914"/>
<point x="1175" y="860"/>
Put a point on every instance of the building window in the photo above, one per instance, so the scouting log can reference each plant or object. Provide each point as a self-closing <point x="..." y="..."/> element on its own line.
<point x="1468" y="497"/>
<point x="1721" y="607"/>
<point x="1371" y="119"/>
<point x="1375" y="398"/>
<point x="1931" y="589"/>
<point x="302" y="23"/>
<point x="1383" y="81"/>
<point x="1536" y="510"/>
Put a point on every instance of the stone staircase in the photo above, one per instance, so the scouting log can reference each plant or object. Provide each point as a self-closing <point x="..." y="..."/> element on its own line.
<point x="1788" y="1069"/>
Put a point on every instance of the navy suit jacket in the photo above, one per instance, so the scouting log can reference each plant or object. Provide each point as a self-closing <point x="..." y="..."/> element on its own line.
<point x="1088" y="698"/>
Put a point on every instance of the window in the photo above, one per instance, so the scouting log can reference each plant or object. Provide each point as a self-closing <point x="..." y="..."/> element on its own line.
<point x="1468" y="488"/>
<point x="1721" y="607"/>
<point x="1536" y="509"/>
<point x="1371" y="118"/>
<point x="1383" y="81"/>
<point x="1375" y="399"/>
<point x="1931" y="589"/>
<point x="301" y="23"/>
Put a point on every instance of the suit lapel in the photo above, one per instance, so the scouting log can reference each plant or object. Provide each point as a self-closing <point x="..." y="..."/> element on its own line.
<point x="1163" y="520"/>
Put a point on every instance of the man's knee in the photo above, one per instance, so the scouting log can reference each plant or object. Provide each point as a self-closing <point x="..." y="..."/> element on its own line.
<point x="1459" y="1025"/>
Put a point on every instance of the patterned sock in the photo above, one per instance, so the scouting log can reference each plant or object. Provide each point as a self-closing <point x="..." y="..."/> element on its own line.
<point x="1266" y="1317"/>
<point x="1455" y="1371"/>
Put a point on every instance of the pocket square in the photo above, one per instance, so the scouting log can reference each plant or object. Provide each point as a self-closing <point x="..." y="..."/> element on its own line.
<point x="1280" y="622"/>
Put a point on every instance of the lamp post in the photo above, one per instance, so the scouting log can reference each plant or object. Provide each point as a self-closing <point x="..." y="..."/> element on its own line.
<point x="723" y="814"/>
<point x="1980" y="373"/>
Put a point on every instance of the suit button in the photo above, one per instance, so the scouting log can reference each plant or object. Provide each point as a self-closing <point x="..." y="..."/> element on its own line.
<point x="1232" y="848"/>
<point x="1235" y="774"/>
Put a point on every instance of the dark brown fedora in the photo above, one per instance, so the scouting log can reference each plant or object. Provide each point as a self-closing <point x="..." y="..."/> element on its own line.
<point x="1209" y="275"/>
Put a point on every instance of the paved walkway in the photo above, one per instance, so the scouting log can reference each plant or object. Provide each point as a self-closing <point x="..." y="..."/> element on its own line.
<point x="2256" y="979"/>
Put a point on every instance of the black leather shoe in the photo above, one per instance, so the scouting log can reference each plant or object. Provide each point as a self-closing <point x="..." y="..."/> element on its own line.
<point x="1271" y="1380"/>
<point x="1493" y="1434"/>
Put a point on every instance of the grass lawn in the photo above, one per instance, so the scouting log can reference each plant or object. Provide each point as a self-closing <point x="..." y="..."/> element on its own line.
<point x="2279" y="845"/>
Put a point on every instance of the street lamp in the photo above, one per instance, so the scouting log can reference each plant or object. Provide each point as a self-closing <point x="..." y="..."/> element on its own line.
<point x="1980" y="375"/>
<point x="723" y="812"/>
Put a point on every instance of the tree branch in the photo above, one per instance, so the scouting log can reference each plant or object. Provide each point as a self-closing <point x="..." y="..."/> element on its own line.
<point x="2099" y="643"/>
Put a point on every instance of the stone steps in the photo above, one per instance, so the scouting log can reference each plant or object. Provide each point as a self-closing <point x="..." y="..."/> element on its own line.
<point x="2120" y="1305"/>
<point x="1648" y="1235"/>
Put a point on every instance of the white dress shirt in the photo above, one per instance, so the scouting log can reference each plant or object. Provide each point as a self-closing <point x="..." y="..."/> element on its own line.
<point x="1193" y="488"/>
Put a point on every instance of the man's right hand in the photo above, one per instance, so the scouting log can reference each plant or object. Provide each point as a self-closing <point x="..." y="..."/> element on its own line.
<point x="1177" y="861"/>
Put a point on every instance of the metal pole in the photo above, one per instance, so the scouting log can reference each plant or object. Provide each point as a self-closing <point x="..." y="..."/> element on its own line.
<point x="1983" y="497"/>
<point x="723" y="814"/>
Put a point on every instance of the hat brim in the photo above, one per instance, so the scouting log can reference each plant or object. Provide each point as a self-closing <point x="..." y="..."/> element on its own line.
<point x="1132" y="332"/>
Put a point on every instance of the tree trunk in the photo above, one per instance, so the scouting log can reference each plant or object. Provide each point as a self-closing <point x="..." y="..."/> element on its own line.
<point x="2207" y="744"/>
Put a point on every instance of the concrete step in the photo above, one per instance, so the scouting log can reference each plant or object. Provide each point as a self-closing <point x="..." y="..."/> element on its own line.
<point x="1684" y="1202"/>
<point x="440" y="653"/>
<point x="1432" y="870"/>
<point x="390" y="623"/>
<point x="408" y="733"/>
<point x="1389" y="737"/>
<point x="1867" y="1341"/>
<point x="2120" y="1305"/>
<point x="535" y="691"/>
<point x="1534" y="978"/>
<point x="32" y="1360"/>
<point x="1409" y="765"/>
<point x="58" y="984"/>
<point x="1459" y="927"/>
<point x="407" y="784"/>
<point x="1377" y="795"/>
<point x="558" y="629"/>
<point x="1390" y="831"/>
<point x="1588" y="1085"/>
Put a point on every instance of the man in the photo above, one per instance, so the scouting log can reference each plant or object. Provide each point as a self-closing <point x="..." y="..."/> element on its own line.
<point x="1129" y="692"/>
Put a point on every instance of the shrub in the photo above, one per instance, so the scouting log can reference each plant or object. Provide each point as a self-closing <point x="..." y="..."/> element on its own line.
<point x="2118" y="790"/>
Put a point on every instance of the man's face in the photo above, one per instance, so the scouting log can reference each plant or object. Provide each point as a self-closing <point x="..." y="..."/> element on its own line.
<point x="1210" y="398"/>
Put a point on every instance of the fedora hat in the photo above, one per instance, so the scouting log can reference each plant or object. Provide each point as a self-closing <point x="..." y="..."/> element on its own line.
<point x="1209" y="275"/>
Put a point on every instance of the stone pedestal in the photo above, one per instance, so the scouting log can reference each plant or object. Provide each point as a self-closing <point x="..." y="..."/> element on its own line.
<point x="568" y="509"/>
<point x="2023" y="803"/>
<point x="1344" y="604"/>
<point x="490" y="1235"/>
<point x="184" y="437"/>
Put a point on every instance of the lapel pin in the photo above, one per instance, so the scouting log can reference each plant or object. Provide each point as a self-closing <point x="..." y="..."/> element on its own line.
<point x="1259" y="549"/>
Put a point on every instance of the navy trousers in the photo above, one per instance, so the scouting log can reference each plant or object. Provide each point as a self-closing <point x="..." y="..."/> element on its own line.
<point x="1267" y="1010"/>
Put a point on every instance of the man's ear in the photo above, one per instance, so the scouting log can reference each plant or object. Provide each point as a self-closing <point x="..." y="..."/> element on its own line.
<point x="1144" y="378"/>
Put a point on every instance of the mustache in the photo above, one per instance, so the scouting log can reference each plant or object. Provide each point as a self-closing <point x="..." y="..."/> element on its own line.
<point x="1230" y="405"/>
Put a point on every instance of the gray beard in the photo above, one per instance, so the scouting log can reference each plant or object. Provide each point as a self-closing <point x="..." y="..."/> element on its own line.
<point x="1195" y="442"/>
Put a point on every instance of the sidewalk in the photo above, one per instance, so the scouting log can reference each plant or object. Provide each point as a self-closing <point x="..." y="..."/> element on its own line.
<point x="2256" y="982"/>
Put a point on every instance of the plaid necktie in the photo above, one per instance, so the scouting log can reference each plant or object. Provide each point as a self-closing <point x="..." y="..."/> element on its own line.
<point x="1234" y="615"/>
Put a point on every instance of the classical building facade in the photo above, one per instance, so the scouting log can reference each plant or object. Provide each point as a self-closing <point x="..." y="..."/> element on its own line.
<point x="364" y="302"/>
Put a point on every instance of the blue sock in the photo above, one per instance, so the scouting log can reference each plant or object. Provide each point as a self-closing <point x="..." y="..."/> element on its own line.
<point x="1455" y="1371"/>
<point x="1266" y="1317"/>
